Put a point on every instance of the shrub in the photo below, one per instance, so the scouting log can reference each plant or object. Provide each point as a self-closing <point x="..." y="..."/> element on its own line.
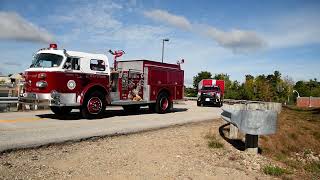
<point x="274" y="170"/>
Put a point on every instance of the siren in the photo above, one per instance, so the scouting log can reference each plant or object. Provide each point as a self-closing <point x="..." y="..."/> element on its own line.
<point x="53" y="46"/>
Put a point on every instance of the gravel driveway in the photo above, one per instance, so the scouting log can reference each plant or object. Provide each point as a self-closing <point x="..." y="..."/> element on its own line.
<point x="178" y="152"/>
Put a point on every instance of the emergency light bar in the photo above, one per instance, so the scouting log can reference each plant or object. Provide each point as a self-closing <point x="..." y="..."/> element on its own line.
<point x="53" y="46"/>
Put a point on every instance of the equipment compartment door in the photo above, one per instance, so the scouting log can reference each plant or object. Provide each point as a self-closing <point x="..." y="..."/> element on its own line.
<point x="132" y="85"/>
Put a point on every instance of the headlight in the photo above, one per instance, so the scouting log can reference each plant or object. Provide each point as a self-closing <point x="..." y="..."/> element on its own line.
<point x="41" y="84"/>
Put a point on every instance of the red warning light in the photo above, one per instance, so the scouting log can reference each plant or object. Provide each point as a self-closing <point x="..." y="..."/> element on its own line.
<point x="53" y="46"/>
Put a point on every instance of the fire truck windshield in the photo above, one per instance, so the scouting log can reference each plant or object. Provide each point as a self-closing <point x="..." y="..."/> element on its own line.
<point x="47" y="60"/>
<point x="214" y="88"/>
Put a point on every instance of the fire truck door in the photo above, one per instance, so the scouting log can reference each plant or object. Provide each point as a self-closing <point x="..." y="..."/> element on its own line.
<point x="114" y="79"/>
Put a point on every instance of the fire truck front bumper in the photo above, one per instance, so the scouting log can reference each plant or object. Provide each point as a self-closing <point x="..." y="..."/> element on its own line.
<point x="209" y="100"/>
<point x="50" y="99"/>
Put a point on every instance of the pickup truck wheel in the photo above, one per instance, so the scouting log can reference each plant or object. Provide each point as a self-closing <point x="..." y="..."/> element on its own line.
<point x="93" y="105"/>
<point x="163" y="104"/>
<point x="60" y="110"/>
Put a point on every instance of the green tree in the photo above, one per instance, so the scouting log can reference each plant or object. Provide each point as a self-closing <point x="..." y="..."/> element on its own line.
<point x="227" y="84"/>
<point x="190" y="92"/>
<point x="288" y="86"/>
<point x="248" y="88"/>
<point x="201" y="75"/>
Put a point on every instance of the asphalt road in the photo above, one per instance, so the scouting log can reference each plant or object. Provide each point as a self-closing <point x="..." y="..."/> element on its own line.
<point x="32" y="129"/>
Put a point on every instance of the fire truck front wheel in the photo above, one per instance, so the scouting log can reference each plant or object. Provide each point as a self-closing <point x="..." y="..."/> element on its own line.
<point x="60" y="110"/>
<point x="94" y="105"/>
<point x="199" y="103"/>
<point x="163" y="104"/>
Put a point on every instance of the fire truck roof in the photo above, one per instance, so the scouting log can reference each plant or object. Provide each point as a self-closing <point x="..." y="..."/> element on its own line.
<point x="75" y="54"/>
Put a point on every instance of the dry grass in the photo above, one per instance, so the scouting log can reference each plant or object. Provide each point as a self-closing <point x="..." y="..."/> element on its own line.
<point x="298" y="132"/>
<point x="213" y="141"/>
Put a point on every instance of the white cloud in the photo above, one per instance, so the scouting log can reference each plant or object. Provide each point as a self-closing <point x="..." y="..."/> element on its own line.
<point x="166" y="17"/>
<point x="13" y="26"/>
<point x="293" y="30"/>
<point x="237" y="40"/>
<point x="99" y="23"/>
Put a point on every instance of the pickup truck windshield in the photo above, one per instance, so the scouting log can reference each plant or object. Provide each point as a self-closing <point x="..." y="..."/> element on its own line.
<point x="46" y="60"/>
<point x="215" y="88"/>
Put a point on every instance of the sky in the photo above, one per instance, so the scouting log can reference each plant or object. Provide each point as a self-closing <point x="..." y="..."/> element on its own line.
<point x="233" y="37"/>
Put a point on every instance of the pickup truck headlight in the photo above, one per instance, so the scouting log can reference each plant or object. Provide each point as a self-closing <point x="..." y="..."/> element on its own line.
<point x="41" y="84"/>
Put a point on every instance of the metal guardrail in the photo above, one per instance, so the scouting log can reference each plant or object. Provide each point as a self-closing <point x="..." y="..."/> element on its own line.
<point x="252" y="118"/>
<point x="8" y="100"/>
<point x="190" y="98"/>
<point x="254" y="122"/>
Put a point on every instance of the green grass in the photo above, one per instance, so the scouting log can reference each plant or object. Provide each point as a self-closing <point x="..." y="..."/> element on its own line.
<point x="307" y="151"/>
<point x="274" y="170"/>
<point x="281" y="157"/>
<point x="289" y="162"/>
<point x="213" y="142"/>
<point x="313" y="167"/>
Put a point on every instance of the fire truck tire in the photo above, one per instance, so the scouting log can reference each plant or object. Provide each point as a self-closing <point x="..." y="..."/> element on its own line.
<point x="93" y="105"/>
<point x="60" y="110"/>
<point x="163" y="104"/>
<point x="198" y="103"/>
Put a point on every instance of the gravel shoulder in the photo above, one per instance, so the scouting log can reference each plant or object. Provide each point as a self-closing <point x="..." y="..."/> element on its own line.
<point x="179" y="152"/>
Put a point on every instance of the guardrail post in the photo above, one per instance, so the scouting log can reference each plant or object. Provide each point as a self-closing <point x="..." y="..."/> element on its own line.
<point x="233" y="132"/>
<point x="251" y="143"/>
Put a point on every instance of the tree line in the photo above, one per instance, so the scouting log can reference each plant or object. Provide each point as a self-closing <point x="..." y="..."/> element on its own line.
<point x="272" y="87"/>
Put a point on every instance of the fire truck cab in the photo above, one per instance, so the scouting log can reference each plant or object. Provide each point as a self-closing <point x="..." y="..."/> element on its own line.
<point x="66" y="80"/>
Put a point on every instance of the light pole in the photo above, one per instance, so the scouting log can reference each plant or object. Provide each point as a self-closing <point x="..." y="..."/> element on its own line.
<point x="163" y="40"/>
<point x="296" y="92"/>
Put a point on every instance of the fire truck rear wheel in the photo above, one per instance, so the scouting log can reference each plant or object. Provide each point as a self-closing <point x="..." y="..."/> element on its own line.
<point x="60" y="110"/>
<point x="163" y="104"/>
<point x="94" y="105"/>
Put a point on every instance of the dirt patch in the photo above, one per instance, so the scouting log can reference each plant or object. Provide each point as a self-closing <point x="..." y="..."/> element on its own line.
<point x="297" y="141"/>
<point x="174" y="153"/>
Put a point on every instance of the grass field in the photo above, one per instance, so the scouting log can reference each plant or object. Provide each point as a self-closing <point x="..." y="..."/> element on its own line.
<point x="297" y="141"/>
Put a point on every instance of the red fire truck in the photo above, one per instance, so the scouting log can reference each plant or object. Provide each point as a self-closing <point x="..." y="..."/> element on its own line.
<point x="67" y="80"/>
<point x="210" y="91"/>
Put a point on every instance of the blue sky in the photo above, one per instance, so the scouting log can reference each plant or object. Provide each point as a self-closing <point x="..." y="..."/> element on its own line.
<point x="233" y="37"/>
